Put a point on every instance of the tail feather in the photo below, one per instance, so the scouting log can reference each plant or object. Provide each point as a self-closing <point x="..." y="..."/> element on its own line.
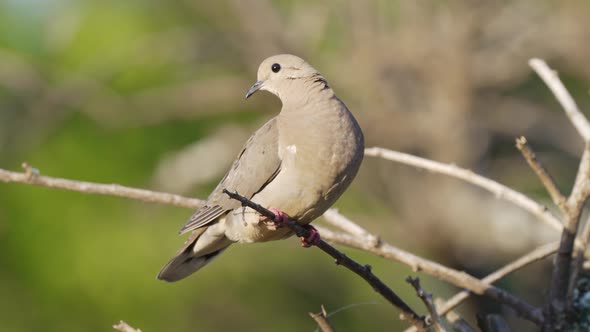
<point x="187" y="262"/>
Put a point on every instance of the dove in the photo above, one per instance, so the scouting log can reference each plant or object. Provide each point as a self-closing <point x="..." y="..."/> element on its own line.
<point x="297" y="165"/>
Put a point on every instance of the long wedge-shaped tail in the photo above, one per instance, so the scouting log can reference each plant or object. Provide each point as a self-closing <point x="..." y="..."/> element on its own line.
<point x="187" y="261"/>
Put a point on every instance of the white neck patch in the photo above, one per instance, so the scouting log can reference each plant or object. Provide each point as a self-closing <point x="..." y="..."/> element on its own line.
<point x="292" y="149"/>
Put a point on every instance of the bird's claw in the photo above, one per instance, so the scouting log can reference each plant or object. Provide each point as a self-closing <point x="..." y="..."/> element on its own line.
<point x="280" y="220"/>
<point x="313" y="238"/>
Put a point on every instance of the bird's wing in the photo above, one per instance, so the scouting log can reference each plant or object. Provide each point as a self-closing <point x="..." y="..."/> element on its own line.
<point x="256" y="166"/>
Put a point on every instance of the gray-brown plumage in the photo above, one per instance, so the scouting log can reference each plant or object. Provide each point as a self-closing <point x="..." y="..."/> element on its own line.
<point x="299" y="162"/>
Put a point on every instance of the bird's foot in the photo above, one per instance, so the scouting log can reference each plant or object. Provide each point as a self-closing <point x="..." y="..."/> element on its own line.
<point x="312" y="239"/>
<point x="280" y="220"/>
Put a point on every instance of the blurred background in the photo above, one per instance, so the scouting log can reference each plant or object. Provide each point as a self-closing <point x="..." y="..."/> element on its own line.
<point x="150" y="94"/>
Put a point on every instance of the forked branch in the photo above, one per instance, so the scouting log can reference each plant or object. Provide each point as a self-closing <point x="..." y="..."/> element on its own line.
<point x="364" y="271"/>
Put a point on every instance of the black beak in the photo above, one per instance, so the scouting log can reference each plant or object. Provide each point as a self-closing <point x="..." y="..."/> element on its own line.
<point x="254" y="88"/>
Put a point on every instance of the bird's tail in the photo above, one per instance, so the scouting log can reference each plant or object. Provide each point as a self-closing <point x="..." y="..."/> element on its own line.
<point x="187" y="261"/>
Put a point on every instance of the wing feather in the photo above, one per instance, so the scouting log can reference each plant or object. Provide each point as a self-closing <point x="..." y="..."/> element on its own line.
<point x="257" y="164"/>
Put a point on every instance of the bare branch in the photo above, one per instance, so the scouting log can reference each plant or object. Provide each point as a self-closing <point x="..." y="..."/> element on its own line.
<point x="523" y="146"/>
<point x="501" y="191"/>
<point x="334" y="218"/>
<point x="539" y="253"/>
<point x="428" y="302"/>
<point x="458" y="278"/>
<point x="531" y="257"/>
<point x="31" y="176"/>
<point x="322" y="319"/>
<point x="570" y="107"/>
<point x="564" y="275"/>
<point x="124" y="327"/>
<point x="364" y="271"/>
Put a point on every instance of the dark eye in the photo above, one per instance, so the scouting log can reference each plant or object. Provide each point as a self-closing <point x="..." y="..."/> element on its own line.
<point x="275" y="68"/>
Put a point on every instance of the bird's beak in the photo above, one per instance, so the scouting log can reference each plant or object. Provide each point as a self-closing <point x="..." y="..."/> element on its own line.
<point x="254" y="88"/>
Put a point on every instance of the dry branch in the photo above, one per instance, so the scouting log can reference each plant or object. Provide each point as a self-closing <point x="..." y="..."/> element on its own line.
<point x="499" y="190"/>
<point x="531" y="257"/>
<point x="32" y="176"/>
<point x="564" y="275"/>
<point x="458" y="278"/>
<point x="523" y="146"/>
<point x="321" y="318"/>
<point x="364" y="271"/>
<point x="570" y="107"/>
<point x="428" y="302"/>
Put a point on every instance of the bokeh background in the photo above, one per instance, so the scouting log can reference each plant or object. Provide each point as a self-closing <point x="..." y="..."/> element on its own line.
<point x="150" y="94"/>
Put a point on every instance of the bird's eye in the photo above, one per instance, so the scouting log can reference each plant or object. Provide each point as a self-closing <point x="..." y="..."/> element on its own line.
<point x="275" y="68"/>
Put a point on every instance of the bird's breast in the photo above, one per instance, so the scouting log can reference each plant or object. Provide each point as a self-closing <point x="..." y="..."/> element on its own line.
<point x="319" y="153"/>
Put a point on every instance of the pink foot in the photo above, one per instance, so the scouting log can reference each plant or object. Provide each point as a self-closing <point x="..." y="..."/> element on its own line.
<point x="281" y="219"/>
<point x="312" y="239"/>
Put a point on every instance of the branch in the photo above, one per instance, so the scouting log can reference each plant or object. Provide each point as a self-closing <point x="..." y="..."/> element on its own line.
<point x="458" y="278"/>
<point x="334" y="218"/>
<point x="428" y="302"/>
<point x="364" y="271"/>
<point x="32" y="176"/>
<point x="551" y="79"/>
<point x="523" y="146"/>
<point x="531" y="257"/>
<point x="564" y="276"/>
<point x="321" y="318"/>
<point x="501" y="191"/>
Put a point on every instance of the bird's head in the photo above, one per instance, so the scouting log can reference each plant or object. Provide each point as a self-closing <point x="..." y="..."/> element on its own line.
<point x="279" y="71"/>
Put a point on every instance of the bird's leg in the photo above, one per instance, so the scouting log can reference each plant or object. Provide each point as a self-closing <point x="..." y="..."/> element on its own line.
<point x="281" y="219"/>
<point x="312" y="239"/>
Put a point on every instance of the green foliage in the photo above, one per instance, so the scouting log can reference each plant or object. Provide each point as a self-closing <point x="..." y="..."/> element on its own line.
<point x="104" y="90"/>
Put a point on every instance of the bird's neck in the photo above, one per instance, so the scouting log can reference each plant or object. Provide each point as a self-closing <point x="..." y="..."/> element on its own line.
<point x="313" y="91"/>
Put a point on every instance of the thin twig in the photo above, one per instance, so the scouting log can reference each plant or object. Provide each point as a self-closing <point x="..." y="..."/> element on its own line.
<point x="321" y="318"/>
<point x="124" y="327"/>
<point x="552" y="80"/>
<point x="364" y="271"/>
<point x="564" y="275"/>
<point x="458" y="278"/>
<point x="428" y="302"/>
<point x="499" y="190"/>
<point x="531" y="257"/>
<point x="523" y="146"/>
<point x="32" y="176"/>
<point x="539" y="253"/>
<point x="336" y="219"/>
